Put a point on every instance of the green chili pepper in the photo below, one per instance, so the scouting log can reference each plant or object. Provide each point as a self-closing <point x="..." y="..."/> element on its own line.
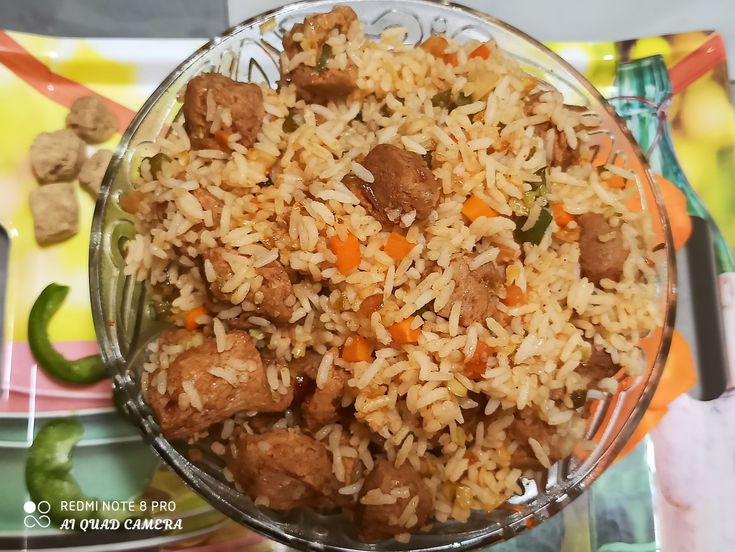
<point x="289" y="123"/>
<point x="156" y="163"/>
<point x="442" y="99"/>
<point x="427" y="307"/>
<point x="461" y="99"/>
<point x="48" y="469"/>
<point x="540" y="187"/>
<point x="579" y="398"/>
<point x="534" y="234"/>
<point x="446" y="100"/>
<point x="528" y="198"/>
<point x="427" y="158"/>
<point x="324" y="55"/>
<point x="81" y="371"/>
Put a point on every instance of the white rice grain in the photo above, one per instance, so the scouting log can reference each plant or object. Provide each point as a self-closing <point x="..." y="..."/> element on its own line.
<point x="324" y="370"/>
<point x="362" y="173"/>
<point x="539" y="452"/>
<point x="454" y="318"/>
<point x="220" y="335"/>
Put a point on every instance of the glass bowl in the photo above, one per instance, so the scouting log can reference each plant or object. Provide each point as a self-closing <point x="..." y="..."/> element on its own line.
<point x="125" y="319"/>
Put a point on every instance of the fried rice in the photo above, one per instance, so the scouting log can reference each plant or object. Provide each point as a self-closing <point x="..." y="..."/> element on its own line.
<point x="486" y="130"/>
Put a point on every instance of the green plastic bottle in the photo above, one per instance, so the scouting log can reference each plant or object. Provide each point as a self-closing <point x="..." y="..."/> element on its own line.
<point x="707" y="304"/>
<point x="648" y="78"/>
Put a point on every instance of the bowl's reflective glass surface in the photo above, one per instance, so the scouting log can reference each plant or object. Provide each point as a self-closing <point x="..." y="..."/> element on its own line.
<point x="125" y="319"/>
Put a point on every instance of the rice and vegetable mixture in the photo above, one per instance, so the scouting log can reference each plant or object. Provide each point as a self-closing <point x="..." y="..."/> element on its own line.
<point x="398" y="278"/>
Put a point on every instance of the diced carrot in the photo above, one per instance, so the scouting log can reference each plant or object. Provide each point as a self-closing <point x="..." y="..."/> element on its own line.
<point x="451" y="59"/>
<point x="398" y="247"/>
<point x="402" y="333"/>
<point x="529" y="83"/>
<point x="476" y="365"/>
<point x="347" y="252"/>
<point x="222" y="137"/>
<point x="506" y="253"/>
<point x="191" y="318"/>
<point x="436" y="46"/>
<point x="561" y="217"/>
<point x="481" y="51"/>
<point x="357" y="349"/>
<point x="650" y="419"/>
<point x="626" y="383"/>
<point x="593" y="406"/>
<point x="620" y="374"/>
<point x="514" y="296"/>
<point x="132" y="201"/>
<point x="371" y="304"/>
<point x="616" y="182"/>
<point x="676" y="208"/>
<point x="567" y="235"/>
<point x="474" y="208"/>
<point x="679" y="375"/>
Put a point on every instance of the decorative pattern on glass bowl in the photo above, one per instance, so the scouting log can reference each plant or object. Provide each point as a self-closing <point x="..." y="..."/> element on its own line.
<point x="125" y="318"/>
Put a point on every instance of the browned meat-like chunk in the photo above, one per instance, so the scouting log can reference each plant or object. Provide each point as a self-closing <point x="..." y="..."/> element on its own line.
<point x="317" y="28"/>
<point x="263" y="423"/>
<point x="303" y="370"/>
<point x="178" y="336"/>
<point x="283" y="468"/>
<point x="222" y="269"/>
<point x="218" y="397"/>
<point x="322" y="407"/>
<point x="91" y="119"/>
<point x="476" y="291"/>
<point x="599" y="365"/>
<point x="55" y="211"/>
<point x="275" y="289"/>
<point x="244" y="100"/>
<point x="529" y="106"/>
<point x="378" y="522"/>
<point x="475" y="415"/>
<point x="143" y="205"/>
<point x="402" y="183"/>
<point x="564" y="156"/>
<point x="209" y="203"/>
<point x="57" y="156"/>
<point x="527" y="426"/>
<point x="362" y="193"/>
<point x="490" y="274"/>
<point x="311" y="82"/>
<point x="94" y="169"/>
<point x="306" y="365"/>
<point x="602" y="253"/>
<point x="314" y="85"/>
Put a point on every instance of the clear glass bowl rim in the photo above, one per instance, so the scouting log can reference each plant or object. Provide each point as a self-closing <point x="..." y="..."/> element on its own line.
<point x="188" y="471"/>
